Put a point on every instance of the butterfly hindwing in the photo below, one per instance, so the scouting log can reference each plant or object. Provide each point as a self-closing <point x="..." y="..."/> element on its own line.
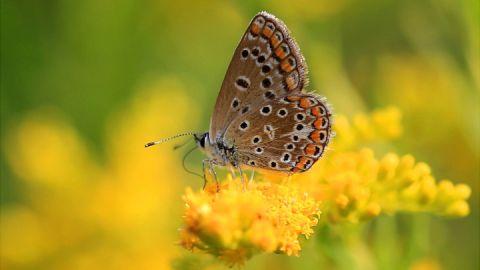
<point x="288" y="134"/>
<point x="266" y="64"/>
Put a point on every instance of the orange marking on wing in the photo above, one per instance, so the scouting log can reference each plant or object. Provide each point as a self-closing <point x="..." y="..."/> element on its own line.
<point x="291" y="84"/>
<point x="318" y="123"/>
<point x="293" y="98"/>
<point x="267" y="32"/>
<point x="295" y="170"/>
<point x="315" y="136"/>
<point x="255" y="28"/>
<point x="302" y="163"/>
<point x="305" y="103"/>
<point x="286" y="66"/>
<point x="316" y="111"/>
<point x="311" y="149"/>
<point x="274" y="41"/>
<point x="280" y="53"/>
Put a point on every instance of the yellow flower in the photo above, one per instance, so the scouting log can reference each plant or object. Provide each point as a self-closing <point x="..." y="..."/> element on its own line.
<point x="380" y="125"/>
<point x="234" y="224"/>
<point x="77" y="213"/>
<point x="353" y="185"/>
<point x="426" y="264"/>
<point x="347" y="185"/>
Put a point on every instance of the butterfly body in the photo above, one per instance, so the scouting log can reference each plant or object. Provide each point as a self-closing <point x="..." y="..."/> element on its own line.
<point x="262" y="117"/>
<point x="218" y="152"/>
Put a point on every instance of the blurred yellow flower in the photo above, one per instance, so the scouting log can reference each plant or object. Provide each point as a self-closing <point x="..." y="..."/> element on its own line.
<point x="234" y="224"/>
<point x="379" y="126"/>
<point x="78" y="213"/>
<point x="354" y="185"/>
<point x="426" y="264"/>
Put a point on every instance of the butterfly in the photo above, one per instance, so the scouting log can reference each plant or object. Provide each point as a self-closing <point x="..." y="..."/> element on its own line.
<point x="263" y="118"/>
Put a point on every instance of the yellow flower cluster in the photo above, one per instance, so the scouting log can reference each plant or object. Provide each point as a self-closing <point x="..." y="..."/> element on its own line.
<point x="348" y="185"/>
<point x="380" y="125"/>
<point x="355" y="186"/>
<point x="234" y="224"/>
<point x="74" y="211"/>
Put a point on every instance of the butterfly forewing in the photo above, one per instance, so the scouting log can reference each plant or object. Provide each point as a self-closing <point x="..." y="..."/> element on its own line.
<point x="288" y="134"/>
<point x="266" y="65"/>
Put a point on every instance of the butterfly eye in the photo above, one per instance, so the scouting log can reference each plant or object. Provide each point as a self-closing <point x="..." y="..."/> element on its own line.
<point x="202" y="142"/>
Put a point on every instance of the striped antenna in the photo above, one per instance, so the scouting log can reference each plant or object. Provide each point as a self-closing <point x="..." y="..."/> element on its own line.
<point x="168" y="139"/>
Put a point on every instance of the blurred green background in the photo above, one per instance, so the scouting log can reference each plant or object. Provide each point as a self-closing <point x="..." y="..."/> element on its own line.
<point x="95" y="64"/>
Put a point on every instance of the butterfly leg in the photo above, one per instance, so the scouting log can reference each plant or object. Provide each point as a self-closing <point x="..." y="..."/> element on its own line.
<point x="242" y="178"/>
<point x="251" y="176"/>
<point x="204" y="169"/>
<point x="212" y="170"/>
<point x="209" y="165"/>
<point x="287" y="179"/>
<point x="234" y="175"/>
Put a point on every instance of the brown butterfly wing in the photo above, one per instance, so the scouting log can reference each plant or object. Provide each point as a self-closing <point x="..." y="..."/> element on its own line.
<point x="287" y="134"/>
<point x="266" y="64"/>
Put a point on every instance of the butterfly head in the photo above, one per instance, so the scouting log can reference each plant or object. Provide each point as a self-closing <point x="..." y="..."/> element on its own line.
<point x="217" y="151"/>
<point x="201" y="139"/>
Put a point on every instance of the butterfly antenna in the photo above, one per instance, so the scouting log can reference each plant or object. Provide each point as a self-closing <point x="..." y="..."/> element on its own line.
<point x="168" y="139"/>
<point x="185" y="166"/>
